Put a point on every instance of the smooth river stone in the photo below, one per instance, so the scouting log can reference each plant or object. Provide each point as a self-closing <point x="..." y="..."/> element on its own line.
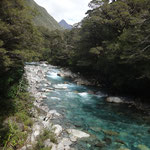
<point x="77" y="133"/>
<point x="114" y="100"/>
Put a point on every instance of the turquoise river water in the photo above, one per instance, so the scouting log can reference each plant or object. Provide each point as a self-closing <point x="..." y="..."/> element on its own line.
<point x="111" y="126"/>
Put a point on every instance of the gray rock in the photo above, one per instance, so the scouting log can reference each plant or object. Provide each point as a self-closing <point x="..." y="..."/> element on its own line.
<point x="27" y="147"/>
<point x="40" y="73"/>
<point x="54" y="113"/>
<point x="54" y="147"/>
<point x="64" y="144"/>
<point x="57" y="129"/>
<point x="73" y="138"/>
<point x="36" y="131"/>
<point x="114" y="100"/>
<point x="47" y="143"/>
<point x="77" y="133"/>
<point x="51" y="114"/>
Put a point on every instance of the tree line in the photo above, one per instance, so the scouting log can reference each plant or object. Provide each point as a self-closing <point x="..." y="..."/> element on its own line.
<point x="112" y="45"/>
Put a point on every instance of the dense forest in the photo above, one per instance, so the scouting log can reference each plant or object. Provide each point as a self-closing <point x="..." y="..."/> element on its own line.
<point x="111" y="45"/>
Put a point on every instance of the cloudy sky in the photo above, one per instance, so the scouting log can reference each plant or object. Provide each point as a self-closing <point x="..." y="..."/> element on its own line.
<point x="72" y="11"/>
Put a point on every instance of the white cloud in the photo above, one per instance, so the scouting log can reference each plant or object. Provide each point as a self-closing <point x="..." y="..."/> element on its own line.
<point x="72" y="11"/>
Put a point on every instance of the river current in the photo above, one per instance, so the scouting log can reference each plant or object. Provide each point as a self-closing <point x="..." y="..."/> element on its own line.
<point x="111" y="126"/>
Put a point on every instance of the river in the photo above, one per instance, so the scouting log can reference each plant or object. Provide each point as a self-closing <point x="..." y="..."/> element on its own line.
<point x="111" y="126"/>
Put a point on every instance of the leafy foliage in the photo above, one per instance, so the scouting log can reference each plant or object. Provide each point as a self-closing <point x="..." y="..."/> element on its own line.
<point x="20" y="41"/>
<point x="58" y="46"/>
<point x="121" y="29"/>
<point x="15" y="118"/>
<point x="112" y="45"/>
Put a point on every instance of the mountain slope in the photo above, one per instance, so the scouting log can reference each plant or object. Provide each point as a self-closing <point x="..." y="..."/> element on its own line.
<point x="43" y="18"/>
<point x="65" y="25"/>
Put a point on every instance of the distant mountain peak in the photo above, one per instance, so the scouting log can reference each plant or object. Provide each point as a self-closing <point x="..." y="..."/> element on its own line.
<point x="65" y="25"/>
<point x="62" y="20"/>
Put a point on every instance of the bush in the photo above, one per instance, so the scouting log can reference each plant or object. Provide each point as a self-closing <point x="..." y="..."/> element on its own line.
<point x="47" y="134"/>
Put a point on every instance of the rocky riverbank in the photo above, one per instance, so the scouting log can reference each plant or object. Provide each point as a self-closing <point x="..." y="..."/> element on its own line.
<point x="132" y="102"/>
<point x="35" y="74"/>
<point x="39" y="87"/>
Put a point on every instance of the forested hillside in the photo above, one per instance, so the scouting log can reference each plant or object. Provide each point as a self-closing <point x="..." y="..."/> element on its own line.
<point x="19" y="41"/>
<point x="41" y="16"/>
<point x="113" y="46"/>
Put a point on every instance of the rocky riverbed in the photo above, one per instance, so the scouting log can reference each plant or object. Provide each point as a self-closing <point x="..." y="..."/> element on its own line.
<point x="81" y="116"/>
<point x="38" y="88"/>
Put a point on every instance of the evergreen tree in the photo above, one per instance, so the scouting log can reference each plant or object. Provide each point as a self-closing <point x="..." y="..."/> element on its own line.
<point x="20" y="41"/>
